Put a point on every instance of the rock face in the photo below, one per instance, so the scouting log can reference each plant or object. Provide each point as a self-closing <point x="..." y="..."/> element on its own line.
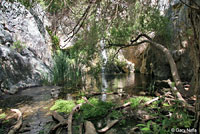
<point x="25" y="51"/>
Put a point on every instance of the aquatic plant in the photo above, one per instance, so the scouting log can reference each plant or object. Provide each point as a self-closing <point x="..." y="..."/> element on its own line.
<point x="65" y="71"/>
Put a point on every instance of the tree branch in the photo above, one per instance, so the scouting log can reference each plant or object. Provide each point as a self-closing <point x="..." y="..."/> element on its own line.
<point x="19" y="121"/>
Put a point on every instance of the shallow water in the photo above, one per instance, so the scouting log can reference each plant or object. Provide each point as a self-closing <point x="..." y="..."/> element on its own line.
<point x="35" y="102"/>
<point x="130" y="84"/>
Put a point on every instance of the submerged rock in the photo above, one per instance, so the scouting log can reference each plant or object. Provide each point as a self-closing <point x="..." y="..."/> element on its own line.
<point x="25" y="51"/>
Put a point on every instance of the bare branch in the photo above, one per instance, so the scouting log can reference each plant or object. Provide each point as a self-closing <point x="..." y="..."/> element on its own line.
<point x="80" y="21"/>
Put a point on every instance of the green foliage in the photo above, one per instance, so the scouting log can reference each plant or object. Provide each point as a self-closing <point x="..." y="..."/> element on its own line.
<point x="98" y="109"/>
<point x="142" y="19"/>
<point x="55" y="40"/>
<point x="18" y="46"/>
<point x="116" y="115"/>
<point x="163" y="124"/>
<point x="46" y="79"/>
<point x="2" y="116"/>
<point x="60" y="68"/>
<point x="85" y="46"/>
<point x="26" y="3"/>
<point x="2" y="130"/>
<point x="65" y="106"/>
<point x="55" y="6"/>
<point x="80" y="101"/>
<point x="136" y="101"/>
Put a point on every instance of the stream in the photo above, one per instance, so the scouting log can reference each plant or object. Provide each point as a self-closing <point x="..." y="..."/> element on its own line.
<point x="35" y="102"/>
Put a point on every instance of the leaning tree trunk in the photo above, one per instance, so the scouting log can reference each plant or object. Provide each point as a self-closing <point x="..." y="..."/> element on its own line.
<point x="173" y="67"/>
<point x="166" y="52"/>
<point x="195" y="21"/>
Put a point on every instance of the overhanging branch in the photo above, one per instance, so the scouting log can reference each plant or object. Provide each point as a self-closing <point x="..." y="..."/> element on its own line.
<point x="80" y="22"/>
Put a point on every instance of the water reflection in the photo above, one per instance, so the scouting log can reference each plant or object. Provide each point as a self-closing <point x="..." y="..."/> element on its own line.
<point x="132" y="84"/>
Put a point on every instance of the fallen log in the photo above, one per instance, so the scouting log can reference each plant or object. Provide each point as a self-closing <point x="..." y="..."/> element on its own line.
<point x="19" y="121"/>
<point x="129" y="103"/>
<point x="60" y="119"/>
<point x="151" y="101"/>
<point x="180" y="98"/>
<point x="109" y="125"/>
<point x="100" y="93"/>
<point x="123" y="106"/>
<point x="71" y="116"/>
<point x="76" y="108"/>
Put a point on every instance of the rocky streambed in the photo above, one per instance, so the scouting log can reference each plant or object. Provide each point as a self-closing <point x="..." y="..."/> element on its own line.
<point x="34" y="103"/>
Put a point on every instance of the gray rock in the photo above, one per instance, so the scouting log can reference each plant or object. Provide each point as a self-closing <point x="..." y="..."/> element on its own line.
<point x="89" y="128"/>
<point x="22" y="65"/>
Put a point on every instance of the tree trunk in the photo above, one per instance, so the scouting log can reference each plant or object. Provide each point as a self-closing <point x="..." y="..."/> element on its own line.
<point x="174" y="71"/>
<point x="195" y="21"/>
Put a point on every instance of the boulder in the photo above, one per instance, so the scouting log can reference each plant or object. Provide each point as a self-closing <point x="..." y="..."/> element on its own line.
<point x="89" y="128"/>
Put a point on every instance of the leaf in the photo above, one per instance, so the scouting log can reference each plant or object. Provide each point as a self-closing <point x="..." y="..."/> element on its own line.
<point x="145" y="129"/>
<point x="141" y="125"/>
